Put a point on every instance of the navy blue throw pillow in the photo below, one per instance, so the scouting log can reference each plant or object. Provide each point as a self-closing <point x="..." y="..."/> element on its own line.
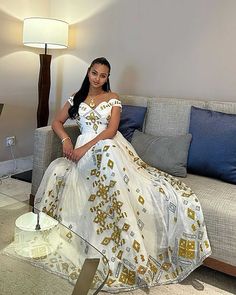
<point x="131" y="118"/>
<point x="212" y="151"/>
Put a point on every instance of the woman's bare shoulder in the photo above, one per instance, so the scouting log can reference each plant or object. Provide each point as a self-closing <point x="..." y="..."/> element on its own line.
<point x="113" y="95"/>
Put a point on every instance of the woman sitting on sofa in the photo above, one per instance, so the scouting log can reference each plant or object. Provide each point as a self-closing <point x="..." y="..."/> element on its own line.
<point x="148" y="224"/>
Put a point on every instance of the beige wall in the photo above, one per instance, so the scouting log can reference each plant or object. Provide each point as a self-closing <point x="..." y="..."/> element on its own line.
<point x="181" y="48"/>
<point x="19" y="66"/>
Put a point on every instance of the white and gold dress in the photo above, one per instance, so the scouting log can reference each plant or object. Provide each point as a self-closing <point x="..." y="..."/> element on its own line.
<point x="148" y="224"/>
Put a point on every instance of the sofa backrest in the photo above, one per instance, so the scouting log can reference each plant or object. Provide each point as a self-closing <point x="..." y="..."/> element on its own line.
<point x="170" y="116"/>
<point x="220" y="106"/>
<point x="134" y="100"/>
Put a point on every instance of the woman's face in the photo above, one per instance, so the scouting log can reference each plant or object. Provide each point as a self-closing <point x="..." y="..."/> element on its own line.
<point x="98" y="75"/>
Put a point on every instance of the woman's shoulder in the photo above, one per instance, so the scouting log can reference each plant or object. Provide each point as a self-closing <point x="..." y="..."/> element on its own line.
<point x="112" y="95"/>
<point x="114" y="99"/>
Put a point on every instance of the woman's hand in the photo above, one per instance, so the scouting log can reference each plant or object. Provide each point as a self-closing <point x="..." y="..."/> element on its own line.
<point x="79" y="153"/>
<point x="67" y="149"/>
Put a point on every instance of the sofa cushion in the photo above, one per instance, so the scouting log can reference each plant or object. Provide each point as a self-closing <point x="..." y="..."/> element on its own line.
<point x="219" y="206"/>
<point x="167" y="153"/>
<point x="213" y="148"/>
<point x="169" y="116"/>
<point x="132" y="118"/>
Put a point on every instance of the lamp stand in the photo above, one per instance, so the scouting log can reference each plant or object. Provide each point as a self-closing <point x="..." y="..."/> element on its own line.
<point x="44" y="84"/>
<point x="1" y="107"/>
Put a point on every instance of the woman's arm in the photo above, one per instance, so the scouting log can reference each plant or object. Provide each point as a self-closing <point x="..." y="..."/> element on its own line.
<point x="59" y="120"/>
<point x="109" y="132"/>
<point x="57" y="126"/>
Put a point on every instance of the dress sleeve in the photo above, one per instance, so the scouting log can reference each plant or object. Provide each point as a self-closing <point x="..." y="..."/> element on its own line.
<point x="71" y="100"/>
<point x="115" y="103"/>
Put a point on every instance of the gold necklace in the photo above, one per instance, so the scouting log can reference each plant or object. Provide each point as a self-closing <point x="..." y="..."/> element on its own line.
<point x="92" y="103"/>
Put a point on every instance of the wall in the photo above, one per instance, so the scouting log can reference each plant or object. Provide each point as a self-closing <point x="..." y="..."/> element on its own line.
<point x="19" y="67"/>
<point x="181" y="48"/>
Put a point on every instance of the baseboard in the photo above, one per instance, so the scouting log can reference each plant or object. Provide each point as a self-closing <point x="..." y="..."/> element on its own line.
<point x="23" y="176"/>
<point x="16" y="166"/>
<point x="220" y="266"/>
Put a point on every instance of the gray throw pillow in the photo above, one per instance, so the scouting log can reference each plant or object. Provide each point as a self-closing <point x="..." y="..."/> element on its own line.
<point x="167" y="153"/>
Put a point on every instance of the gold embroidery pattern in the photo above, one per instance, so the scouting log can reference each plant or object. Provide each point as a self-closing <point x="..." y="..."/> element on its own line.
<point x="127" y="276"/>
<point x="187" y="248"/>
<point x="93" y="120"/>
<point x="119" y="209"/>
<point x="191" y="214"/>
<point x="136" y="246"/>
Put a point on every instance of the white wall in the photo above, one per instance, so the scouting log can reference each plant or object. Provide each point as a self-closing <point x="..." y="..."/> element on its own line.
<point x="181" y="48"/>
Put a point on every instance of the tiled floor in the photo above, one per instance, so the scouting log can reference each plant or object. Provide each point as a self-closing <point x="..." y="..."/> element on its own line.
<point x="202" y="281"/>
<point x="16" y="276"/>
<point x="11" y="189"/>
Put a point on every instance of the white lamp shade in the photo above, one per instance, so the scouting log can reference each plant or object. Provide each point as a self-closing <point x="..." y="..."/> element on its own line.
<point x="39" y="31"/>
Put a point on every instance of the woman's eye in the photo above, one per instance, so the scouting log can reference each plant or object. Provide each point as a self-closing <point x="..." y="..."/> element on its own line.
<point x="94" y="73"/>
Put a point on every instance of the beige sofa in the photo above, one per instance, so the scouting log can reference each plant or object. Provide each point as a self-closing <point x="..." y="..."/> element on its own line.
<point x="169" y="116"/>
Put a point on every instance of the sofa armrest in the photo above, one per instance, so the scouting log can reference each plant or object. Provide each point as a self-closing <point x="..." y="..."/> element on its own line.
<point x="47" y="147"/>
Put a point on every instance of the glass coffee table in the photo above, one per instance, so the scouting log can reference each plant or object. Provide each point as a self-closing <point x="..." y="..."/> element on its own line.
<point x="49" y="260"/>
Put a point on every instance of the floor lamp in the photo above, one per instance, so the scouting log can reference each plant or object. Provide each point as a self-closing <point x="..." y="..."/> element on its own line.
<point x="44" y="33"/>
<point x="1" y="107"/>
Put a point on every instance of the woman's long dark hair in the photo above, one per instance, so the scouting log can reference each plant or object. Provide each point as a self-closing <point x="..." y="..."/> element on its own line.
<point x="81" y="95"/>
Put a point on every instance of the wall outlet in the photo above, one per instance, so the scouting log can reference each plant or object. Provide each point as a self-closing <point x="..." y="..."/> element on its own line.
<point x="10" y="140"/>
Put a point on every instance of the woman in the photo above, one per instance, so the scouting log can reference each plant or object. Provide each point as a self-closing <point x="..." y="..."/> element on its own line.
<point x="147" y="223"/>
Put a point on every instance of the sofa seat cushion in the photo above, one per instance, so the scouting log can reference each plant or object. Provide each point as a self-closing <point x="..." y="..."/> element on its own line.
<point x="218" y="201"/>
